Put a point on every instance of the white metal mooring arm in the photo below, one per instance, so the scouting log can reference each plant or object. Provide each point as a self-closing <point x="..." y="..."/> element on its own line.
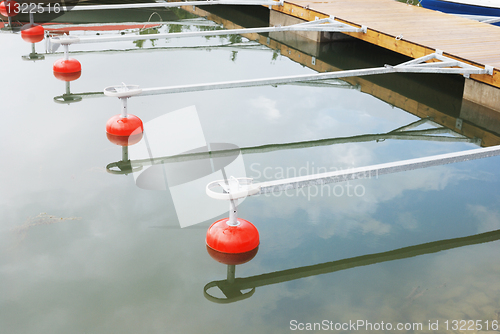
<point x="413" y="66"/>
<point x="248" y="189"/>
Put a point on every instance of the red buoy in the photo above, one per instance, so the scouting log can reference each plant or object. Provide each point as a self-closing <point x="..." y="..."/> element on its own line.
<point x="9" y="8"/>
<point x="232" y="239"/>
<point x="67" y="69"/>
<point x="32" y="33"/>
<point x="124" y="131"/>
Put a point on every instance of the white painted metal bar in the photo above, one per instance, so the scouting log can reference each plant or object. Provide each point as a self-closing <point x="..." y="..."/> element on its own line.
<point x="261" y="82"/>
<point x="438" y="64"/>
<point x="465" y="69"/>
<point x="332" y="27"/>
<point x="316" y="22"/>
<point x="418" y="60"/>
<point x="445" y="61"/>
<point x="247" y="188"/>
<point x="109" y="91"/>
<point x="56" y="9"/>
<point x="376" y="170"/>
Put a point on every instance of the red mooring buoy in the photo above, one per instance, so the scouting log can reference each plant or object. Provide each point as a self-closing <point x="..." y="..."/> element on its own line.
<point x="67" y="69"/>
<point x="124" y="131"/>
<point x="32" y="33"/>
<point x="9" y="8"/>
<point x="233" y="239"/>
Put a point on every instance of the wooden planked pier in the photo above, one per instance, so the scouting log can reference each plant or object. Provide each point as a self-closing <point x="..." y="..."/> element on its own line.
<point x="415" y="32"/>
<point x="306" y="53"/>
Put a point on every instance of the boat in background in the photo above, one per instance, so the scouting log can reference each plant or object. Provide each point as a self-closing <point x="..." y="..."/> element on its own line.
<point x="487" y="11"/>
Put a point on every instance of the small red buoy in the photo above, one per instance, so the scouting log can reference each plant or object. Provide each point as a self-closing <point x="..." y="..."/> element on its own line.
<point x="233" y="239"/>
<point x="32" y="33"/>
<point x="9" y="8"/>
<point x="67" y="69"/>
<point x="124" y="131"/>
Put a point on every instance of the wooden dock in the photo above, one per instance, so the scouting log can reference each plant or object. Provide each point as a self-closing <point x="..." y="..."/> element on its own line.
<point x="488" y="134"/>
<point x="410" y="30"/>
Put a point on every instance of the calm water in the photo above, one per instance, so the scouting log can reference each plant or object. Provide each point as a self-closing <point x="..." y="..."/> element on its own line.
<point x="86" y="251"/>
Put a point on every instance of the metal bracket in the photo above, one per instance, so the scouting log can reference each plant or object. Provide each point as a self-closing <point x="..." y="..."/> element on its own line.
<point x="488" y="69"/>
<point x="446" y="65"/>
<point x="122" y="91"/>
<point x="233" y="189"/>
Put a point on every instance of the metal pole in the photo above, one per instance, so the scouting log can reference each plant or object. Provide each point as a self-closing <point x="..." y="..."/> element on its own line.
<point x="124" y="107"/>
<point x="66" y="51"/>
<point x="233" y="213"/>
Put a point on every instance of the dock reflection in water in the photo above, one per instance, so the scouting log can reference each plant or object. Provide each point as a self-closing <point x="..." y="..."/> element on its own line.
<point x="233" y="288"/>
